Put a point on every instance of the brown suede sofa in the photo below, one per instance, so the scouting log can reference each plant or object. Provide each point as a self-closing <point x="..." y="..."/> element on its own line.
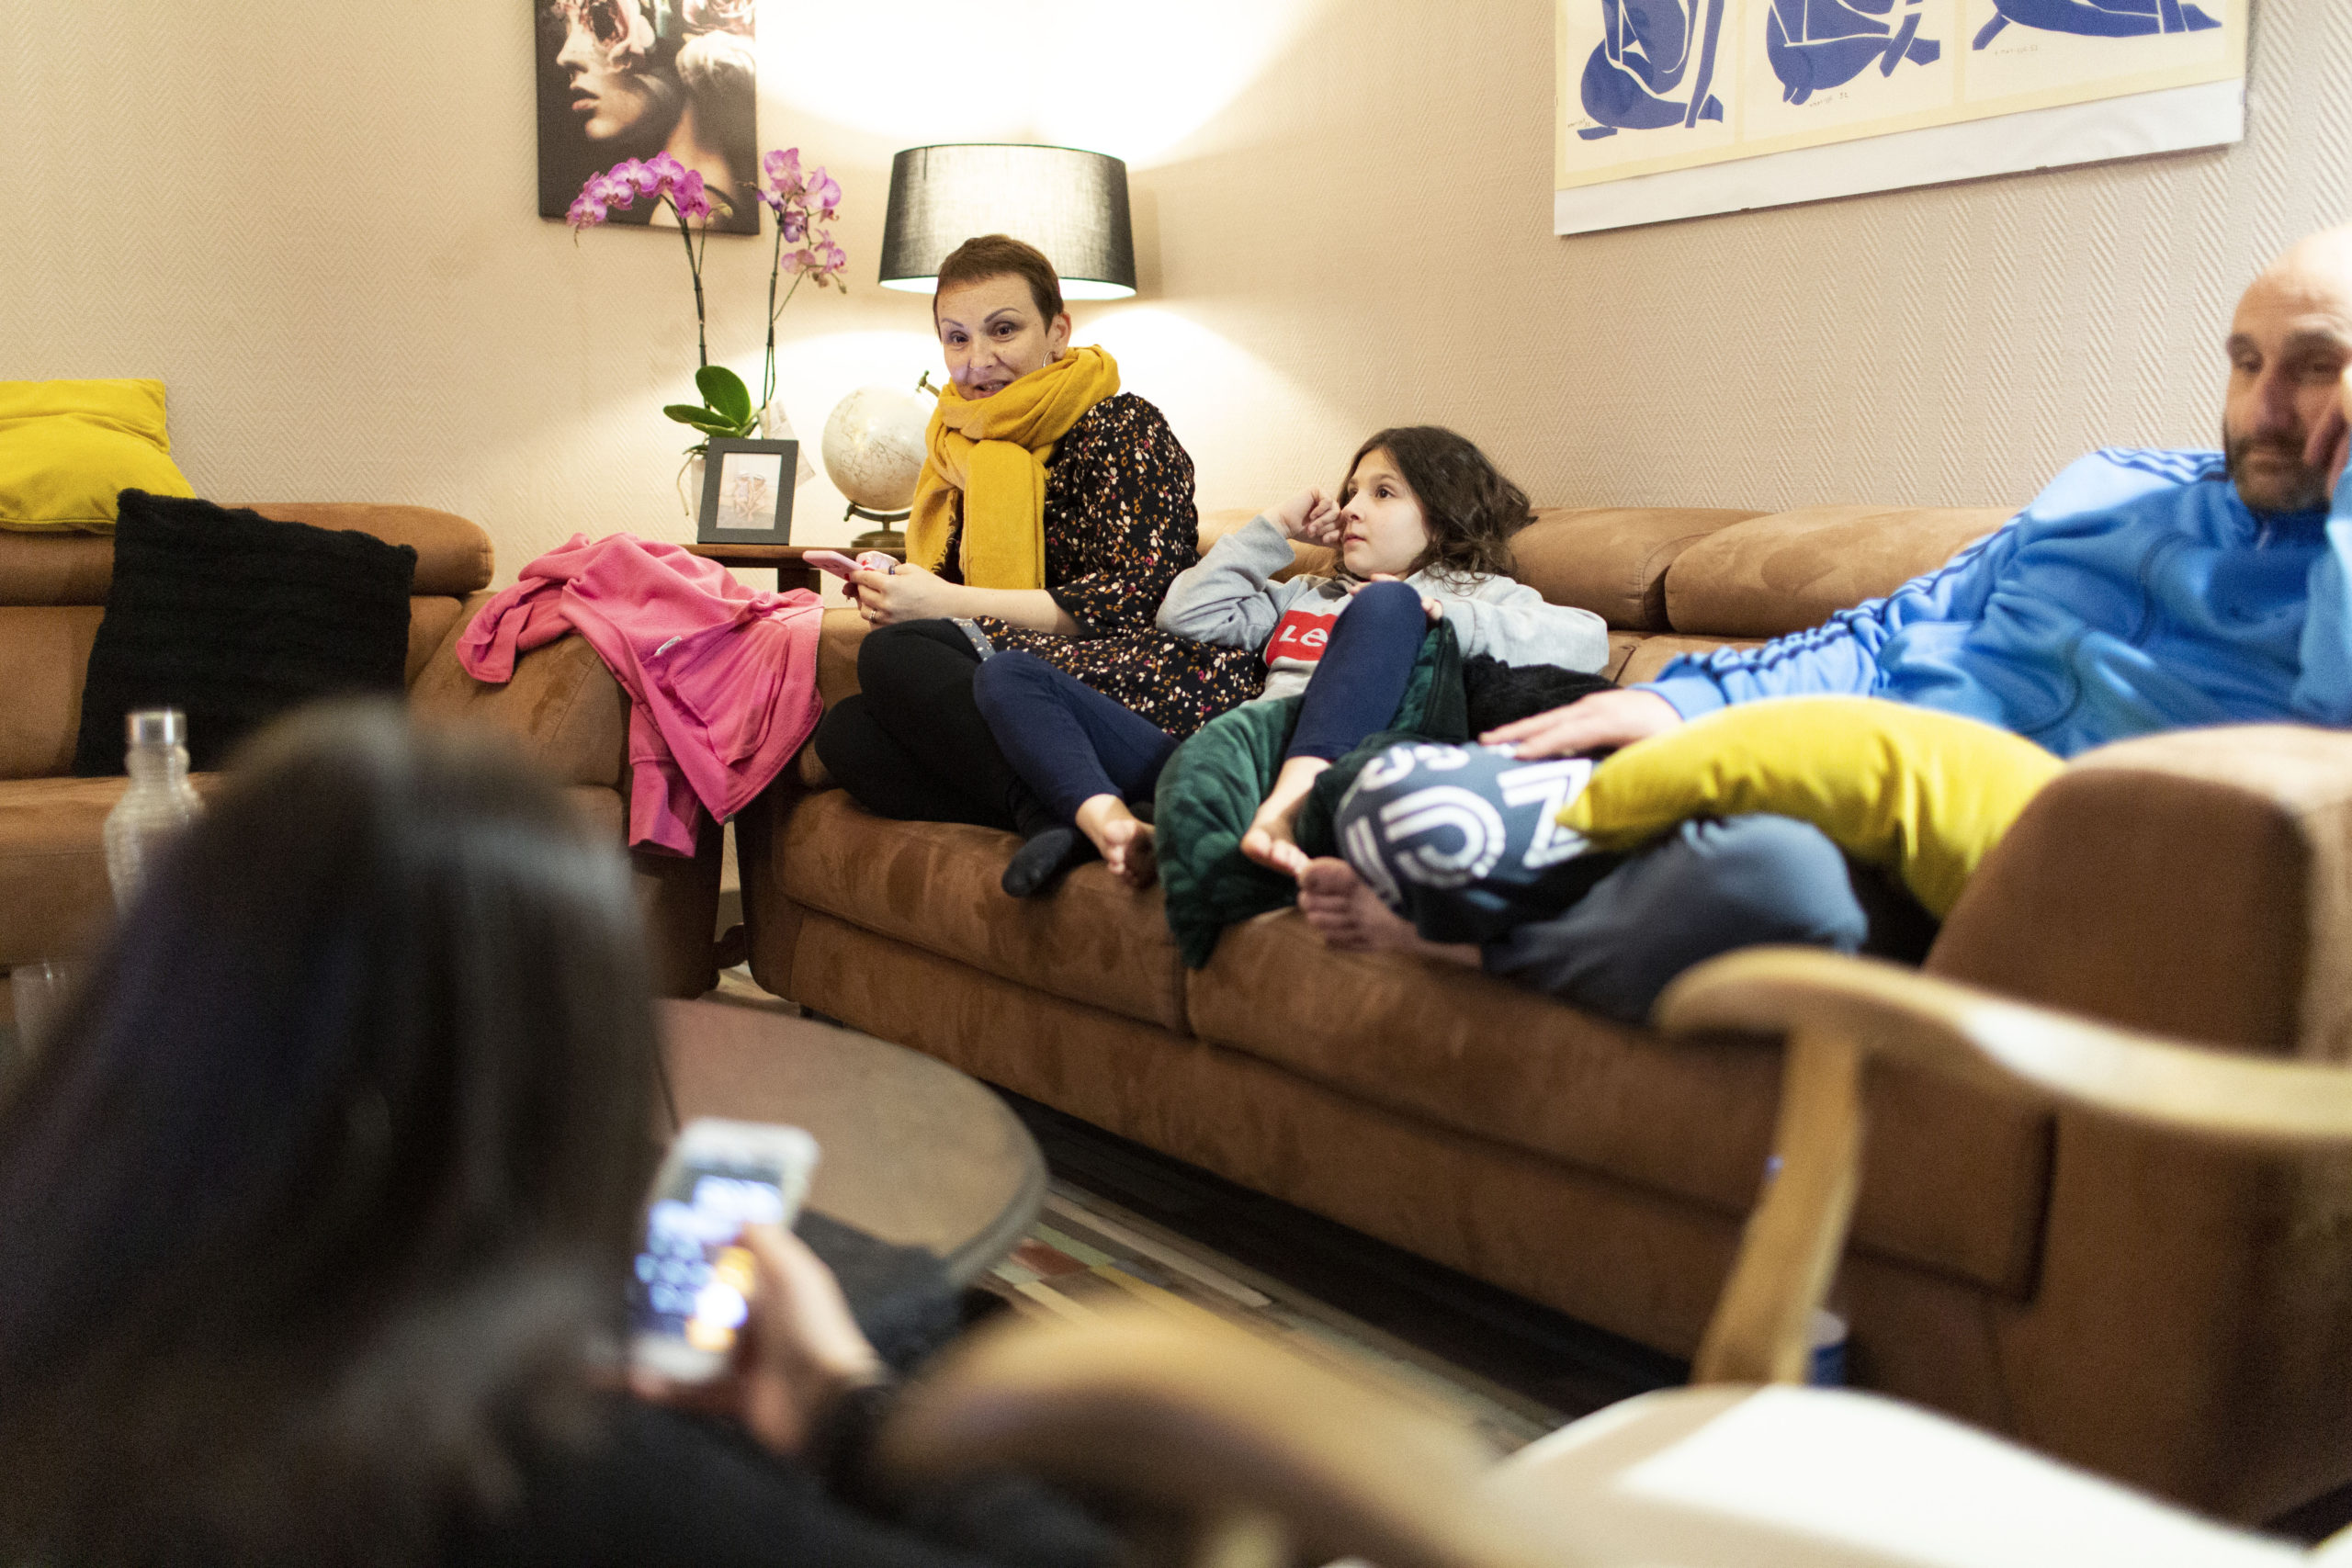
<point x="563" y="706"/>
<point x="2175" y="1316"/>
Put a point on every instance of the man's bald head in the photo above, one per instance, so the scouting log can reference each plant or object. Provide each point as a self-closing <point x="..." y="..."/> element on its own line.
<point x="2290" y="344"/>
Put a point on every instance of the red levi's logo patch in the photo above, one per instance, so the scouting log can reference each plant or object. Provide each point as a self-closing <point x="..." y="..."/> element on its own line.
<point x="1301" y="637"/>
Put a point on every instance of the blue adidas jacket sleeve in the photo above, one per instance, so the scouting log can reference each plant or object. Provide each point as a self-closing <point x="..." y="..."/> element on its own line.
<point x="2323" y="690"/>
<point x="1840" y="656"/>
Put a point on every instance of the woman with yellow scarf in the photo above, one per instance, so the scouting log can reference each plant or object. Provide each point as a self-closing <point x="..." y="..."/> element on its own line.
<point x="1052" y="513"/>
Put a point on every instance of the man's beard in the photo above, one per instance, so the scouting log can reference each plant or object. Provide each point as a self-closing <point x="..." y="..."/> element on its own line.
<point x="2304" y="487"/>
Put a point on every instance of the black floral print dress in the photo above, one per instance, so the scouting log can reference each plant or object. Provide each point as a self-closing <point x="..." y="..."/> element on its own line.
<point x="1119" y="526"/>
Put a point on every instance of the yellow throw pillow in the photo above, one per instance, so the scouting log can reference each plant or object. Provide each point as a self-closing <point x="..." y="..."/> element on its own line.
<point x="1924" y="793"/>
<point x="67" y="448"/>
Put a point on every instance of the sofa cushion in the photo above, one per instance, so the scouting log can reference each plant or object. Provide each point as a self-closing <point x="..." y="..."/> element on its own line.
<point x="1621" y="650"/>
<point x="838" y="637"/>
<point x="430" y="621"/>
<point x="55" y="569"/>
<point x="1613" y="560"/>
<point x="1774" y="575"/>
<point x="1653" y="654"/>
<point x="53" y="891"/>
<point x="453" y="554"/>
<point x="45" y="650"/>
<point x="933" y="884"/>
<point x="234" y="618"/>
<point x="1496" y="1061"/>
<point x="563" y="706"/>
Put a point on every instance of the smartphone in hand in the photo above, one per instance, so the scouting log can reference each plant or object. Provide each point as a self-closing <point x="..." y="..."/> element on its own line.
<point x="841" y="566"/>
<point x="691" y="1286"/>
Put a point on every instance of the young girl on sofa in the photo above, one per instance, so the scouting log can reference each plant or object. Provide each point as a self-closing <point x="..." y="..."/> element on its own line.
<point x="1422" y="525"/>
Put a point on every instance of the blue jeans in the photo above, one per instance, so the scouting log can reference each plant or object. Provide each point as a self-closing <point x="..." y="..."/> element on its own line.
<point x="1461" y="841"/>
<point x="1070" y="743"/>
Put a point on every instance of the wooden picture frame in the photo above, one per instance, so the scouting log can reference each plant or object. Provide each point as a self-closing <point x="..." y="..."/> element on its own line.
<point x="747" y="492"/>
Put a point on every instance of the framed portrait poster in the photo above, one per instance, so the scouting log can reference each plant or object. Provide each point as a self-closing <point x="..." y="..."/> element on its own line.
<point x="621" y="79"/>
<point x="747" y="492"/>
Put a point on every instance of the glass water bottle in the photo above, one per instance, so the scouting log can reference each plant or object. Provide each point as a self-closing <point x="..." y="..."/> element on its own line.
<point x="159" y="802"/>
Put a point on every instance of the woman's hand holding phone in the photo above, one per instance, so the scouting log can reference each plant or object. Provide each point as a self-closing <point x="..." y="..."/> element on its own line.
<point x="799" y="1351"/>
<point x="907" y="594"/>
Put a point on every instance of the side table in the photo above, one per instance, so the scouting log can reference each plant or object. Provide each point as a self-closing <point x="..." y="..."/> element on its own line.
<point x="792" y="570"/>
<point x="911" y="1151"/>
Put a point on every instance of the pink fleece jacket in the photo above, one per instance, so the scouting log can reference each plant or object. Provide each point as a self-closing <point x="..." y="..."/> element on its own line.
<point x="722" y="680"/>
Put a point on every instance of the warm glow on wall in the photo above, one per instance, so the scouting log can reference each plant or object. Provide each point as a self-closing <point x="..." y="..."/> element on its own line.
<point x="1132" y="81"/>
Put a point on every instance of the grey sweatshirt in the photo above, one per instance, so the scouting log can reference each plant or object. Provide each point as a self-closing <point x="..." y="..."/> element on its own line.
<point x="1227" y="599"/>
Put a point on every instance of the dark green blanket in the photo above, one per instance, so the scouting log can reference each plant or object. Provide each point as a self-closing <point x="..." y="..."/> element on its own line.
<point x="1212" y="787"/>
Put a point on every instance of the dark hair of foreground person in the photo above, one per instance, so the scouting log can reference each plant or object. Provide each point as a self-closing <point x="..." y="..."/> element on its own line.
<point x="315" y="1203"/>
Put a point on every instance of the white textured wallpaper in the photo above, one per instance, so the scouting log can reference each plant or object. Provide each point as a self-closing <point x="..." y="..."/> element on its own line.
<point x="316" y="223"/>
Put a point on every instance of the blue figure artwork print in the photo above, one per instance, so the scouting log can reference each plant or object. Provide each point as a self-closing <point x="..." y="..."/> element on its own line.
<point x="1647" y="49"/>
<point x="1816" y="45"/>
<point x="2097" y="18"/>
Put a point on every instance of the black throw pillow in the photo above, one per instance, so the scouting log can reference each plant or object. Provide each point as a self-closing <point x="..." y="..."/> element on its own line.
<point x="234" y="618"/>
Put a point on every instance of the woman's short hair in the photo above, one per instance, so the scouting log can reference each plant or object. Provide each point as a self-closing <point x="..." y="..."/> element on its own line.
<point x="1470" y="509"/>
<point x="999" y="256"/>
<point x="320" y="1196"/>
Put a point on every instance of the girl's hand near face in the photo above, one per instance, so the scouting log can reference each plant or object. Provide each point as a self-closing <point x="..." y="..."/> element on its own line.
<point x="1311" y="516"/>
<point x="1429" y="608"/>
<point x="911" y="593"/>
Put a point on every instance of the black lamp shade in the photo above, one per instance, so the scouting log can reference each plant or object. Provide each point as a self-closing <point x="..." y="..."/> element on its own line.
<point x="1070" y="205"/>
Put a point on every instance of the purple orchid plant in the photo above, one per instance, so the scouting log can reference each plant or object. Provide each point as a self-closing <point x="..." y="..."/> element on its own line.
<point x="799" y="201"/>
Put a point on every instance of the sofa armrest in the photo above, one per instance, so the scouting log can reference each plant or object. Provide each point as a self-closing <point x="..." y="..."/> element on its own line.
<point x="563" y="706"/>
<point x="843" y="631"/>
<point x="2196" y="884"/>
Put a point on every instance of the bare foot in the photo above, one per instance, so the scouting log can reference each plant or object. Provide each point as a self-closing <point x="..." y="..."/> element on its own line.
<point x="1129" y="850"/>
<point x="1125" y="843"/>
<point x="1273" y="838"/>
<point x="1349" y="915"/>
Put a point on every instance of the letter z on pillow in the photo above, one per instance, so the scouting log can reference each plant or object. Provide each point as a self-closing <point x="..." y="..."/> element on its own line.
<point x="1924" y="793"/>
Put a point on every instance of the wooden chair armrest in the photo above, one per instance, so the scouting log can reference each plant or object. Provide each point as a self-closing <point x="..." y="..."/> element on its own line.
<point x="1889" y="1011"/>
<point x="1246" y="1442"/>
<point x="1837" y="1013"/>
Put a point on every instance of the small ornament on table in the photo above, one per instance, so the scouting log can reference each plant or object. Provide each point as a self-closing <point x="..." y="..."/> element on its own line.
<point x="874" y="452"/>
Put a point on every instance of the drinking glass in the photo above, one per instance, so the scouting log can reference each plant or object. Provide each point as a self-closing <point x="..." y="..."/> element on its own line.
<point x="38" y="991"/>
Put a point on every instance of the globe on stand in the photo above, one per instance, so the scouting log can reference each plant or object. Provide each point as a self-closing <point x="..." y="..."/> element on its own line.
<point x="874" y="448"/>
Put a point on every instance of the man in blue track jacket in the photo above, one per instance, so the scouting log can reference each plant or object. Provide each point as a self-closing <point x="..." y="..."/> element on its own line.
<point x="2142" y="590"/>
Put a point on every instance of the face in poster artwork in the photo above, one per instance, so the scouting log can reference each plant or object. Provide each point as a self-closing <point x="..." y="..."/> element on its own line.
<point x="629" y="78"/>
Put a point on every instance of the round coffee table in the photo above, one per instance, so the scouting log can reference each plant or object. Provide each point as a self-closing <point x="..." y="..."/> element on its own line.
<point x="913" y="1152"/>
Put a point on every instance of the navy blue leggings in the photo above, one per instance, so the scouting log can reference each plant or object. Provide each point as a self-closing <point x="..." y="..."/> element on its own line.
<point x="1070" y="743"/>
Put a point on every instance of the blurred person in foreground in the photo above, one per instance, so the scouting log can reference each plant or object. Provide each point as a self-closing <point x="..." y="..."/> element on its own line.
<point x="316" y="1209"/>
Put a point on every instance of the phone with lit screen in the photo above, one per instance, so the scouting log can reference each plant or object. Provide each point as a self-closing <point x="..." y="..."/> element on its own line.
<point x="691" y="1286"/>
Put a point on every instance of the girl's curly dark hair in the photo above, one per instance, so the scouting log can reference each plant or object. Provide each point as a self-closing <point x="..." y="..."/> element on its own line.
<point x="1470" y="509"/>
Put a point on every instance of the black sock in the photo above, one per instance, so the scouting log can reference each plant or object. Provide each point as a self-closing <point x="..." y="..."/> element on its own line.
<point x="1043" y="859"/>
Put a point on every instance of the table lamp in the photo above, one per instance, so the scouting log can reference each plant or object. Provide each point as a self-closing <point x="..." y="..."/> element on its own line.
<point x="1070" y="205"/>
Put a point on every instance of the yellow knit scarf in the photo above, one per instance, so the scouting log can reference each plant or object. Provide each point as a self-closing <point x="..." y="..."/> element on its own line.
<point x="986" y="459"/>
